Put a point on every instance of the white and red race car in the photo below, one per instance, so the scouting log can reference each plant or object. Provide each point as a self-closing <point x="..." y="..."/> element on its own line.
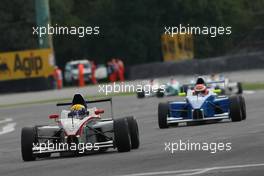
<point x="72" y="136"/>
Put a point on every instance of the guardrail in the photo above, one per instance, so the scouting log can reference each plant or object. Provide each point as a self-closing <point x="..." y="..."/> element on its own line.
<point x="198" y="66"/>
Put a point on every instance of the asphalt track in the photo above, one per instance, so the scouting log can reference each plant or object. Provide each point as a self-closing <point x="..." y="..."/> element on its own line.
<point x="245" y="158"/>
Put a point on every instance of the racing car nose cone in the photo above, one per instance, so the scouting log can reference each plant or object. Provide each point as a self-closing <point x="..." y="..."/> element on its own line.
<point x="196" y="102"/>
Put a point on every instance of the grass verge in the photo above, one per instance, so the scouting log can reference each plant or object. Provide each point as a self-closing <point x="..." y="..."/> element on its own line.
<point x="253" y="86"/>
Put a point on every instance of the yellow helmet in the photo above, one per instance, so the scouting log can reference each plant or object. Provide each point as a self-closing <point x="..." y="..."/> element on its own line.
<point x="78" y="111"/>
<point x="77" y="107"/>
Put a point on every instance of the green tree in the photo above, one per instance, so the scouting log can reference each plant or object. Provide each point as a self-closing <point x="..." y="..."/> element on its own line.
<point x="129" y="29"/>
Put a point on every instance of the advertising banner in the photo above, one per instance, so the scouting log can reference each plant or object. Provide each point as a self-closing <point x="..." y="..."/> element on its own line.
<point x="26" y="64"/>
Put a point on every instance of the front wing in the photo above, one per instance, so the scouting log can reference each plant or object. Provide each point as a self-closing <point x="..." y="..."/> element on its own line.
<point x="171" y="120"/>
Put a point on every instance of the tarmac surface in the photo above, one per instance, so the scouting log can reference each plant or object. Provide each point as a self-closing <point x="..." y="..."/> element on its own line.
<point x="152" y="158"/>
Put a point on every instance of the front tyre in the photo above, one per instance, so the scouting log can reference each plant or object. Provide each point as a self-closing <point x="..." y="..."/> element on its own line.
<point x="28" y="137"/>
<point x="133" y="131"/>
<point x="163" y="111"/>
<point x="160" y="93"/>
<point x="122" y="136"/>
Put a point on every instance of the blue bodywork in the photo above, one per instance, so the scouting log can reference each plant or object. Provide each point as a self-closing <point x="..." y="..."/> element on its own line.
<point x="198" y="107"/>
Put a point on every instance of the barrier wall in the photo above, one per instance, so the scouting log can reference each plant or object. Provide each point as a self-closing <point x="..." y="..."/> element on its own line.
<point x="26" y="64"/>
<point x="197" y="66"/>
<point x="26" y="70"/>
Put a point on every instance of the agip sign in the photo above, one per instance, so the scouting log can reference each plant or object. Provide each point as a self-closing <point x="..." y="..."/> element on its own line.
<point x="26" y="64"/>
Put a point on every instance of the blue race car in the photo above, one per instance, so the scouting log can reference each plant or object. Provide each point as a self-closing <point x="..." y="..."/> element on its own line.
<point x="202" y="104"/>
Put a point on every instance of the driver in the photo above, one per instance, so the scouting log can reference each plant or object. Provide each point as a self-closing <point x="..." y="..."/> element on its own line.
<point x="78" y="111"/>
<point x="200" y="89"/>
<point x="173" y="81"/>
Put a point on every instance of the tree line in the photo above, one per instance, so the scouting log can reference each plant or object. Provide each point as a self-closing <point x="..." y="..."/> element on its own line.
<point x="130" y="30"/>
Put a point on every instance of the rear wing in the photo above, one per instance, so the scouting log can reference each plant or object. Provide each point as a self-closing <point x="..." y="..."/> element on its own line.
<point x="190" y="86"/>
<point x="87" y="102"/>
<point x="215" y="82"/>
<point x="91" y="102"/>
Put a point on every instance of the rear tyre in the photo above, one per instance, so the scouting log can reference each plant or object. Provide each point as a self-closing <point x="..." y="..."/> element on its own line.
<point x="243" y="107"/>
<point x="133" y="131"/>
<point x="235" y="109"/>
<point x="160" y="93"/>
<point x="122" y="136"/>
<point x="239" y="88"/>
<point x="163" y="111"/>
<point x="141" y="94"/>
<point x="28" y="137"/>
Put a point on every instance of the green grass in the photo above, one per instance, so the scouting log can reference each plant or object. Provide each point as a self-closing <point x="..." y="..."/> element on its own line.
<point x="253" y="86"/>
<point x="67" y="99"/>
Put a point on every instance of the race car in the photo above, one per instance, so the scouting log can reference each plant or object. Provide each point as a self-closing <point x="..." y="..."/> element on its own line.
<point x="150" y="89"/>
<point x="71" y="73"/>
<point x="79" y="130"/>
<point x="202" y="104"/>
<point x="227" y="87"/>
<point x="172" y="88"/>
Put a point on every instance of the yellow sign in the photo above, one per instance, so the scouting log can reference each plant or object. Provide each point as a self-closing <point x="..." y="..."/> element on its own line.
<point x="178" y="47"/>
<point x="26" y="64"/>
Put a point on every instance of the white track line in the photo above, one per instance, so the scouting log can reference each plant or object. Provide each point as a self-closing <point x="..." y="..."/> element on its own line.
<point x="9" y="127"/>
<point x="191" y="172"/>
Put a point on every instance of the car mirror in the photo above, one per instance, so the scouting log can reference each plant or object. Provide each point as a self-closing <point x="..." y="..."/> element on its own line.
<point x="98" y="111"/>
<point x="53" y="116"/>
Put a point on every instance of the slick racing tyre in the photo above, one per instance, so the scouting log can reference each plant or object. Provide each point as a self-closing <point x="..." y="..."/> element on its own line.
<point x="235" y="109"/>
<point x="28" y="137"/>
<point x="141" y="94"/>
<point x="160" y="93"/>
<point x="239" y="88"/>
<point x="133" y="131"/>
<point x="122" y="136"/>
<point x="243" y="107"/>
<point x="163" y="110"/>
